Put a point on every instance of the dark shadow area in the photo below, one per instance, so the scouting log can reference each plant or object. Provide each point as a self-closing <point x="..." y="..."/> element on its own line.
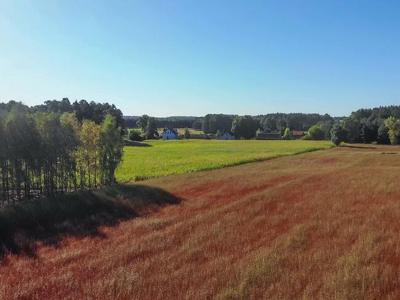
<point x="136" y="144"/>
<point x="50" y="220"/>
<point x="358" y="147"/>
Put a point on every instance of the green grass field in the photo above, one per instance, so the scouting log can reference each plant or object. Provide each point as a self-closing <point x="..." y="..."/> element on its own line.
<point x="183" y="156"/>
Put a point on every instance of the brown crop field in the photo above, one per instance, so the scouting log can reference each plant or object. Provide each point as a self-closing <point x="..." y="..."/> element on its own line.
<point x="317" y="225"/>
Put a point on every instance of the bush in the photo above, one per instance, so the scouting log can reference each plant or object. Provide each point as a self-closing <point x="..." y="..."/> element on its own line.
<point x="244" y="127"/>
<point x="134" y="135"/>
<point x="383" y="134"/>
<point x="186" y="135"/>
<point x="338" y="134"/>
<point x="393" y="126"/>
<point x="315" y="133"/>
<point x="287" y="135"/>
<point x="151" y="129"/>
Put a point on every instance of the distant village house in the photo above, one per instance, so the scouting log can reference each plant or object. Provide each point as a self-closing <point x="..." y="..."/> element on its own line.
<point x="169" y="134"/>
<point x="268" y="136"/>
<point x="297" y="134"/>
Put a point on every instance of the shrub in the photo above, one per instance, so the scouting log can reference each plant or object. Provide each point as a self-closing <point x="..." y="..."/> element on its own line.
<point x="244" y="127"/>
<point x="287" y="135"/>
<point x="338" y="134"/>
<point x="315" y="133"/>
<point x="186" y="135"/>
<point x="134" y="135"/>
<point x="393" y="126"/>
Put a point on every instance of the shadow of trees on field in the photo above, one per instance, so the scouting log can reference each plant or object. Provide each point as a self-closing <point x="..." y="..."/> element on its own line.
<point x="49" y="220"/>
<point x="358" y="146"/>
<point x="136" y="144"/>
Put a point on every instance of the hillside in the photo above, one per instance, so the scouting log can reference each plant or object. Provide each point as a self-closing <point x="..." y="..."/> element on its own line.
<point x="322" y="224"/>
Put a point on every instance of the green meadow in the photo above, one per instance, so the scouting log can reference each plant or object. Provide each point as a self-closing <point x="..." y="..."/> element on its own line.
<point x="161" y="158"/>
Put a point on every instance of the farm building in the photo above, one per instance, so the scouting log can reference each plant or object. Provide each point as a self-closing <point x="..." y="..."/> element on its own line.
<point x="297" y="134"/>
<point x="169" y="134"/>
<point x="268" y="136"/>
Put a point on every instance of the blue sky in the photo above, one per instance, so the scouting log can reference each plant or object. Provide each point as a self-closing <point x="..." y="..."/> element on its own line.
<point x="209" y="56"/>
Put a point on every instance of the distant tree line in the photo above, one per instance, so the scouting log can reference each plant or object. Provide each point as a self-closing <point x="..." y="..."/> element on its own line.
<point x="167" y="122"/>
<point x="278" y="122"/>
<point x="293" y="121"/>
<point x="46" y="150"/>
<point x="376" y="125"/>
<point x="241" y="126"/>
<point x="212" y="123"/>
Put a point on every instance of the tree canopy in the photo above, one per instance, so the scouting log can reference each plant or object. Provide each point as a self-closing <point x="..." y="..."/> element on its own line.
<point x="44" y="152"/>
<point x="83" y="110"/>
<point x="244" y="127"/>
<point x="338" y="134"/>
<point x="393" y="126"/>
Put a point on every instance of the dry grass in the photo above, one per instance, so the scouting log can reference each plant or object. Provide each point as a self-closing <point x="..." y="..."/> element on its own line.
<point x="318" y="225"/>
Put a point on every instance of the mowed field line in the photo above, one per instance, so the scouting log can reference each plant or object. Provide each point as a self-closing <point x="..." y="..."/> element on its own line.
<point x="317" y="225"/>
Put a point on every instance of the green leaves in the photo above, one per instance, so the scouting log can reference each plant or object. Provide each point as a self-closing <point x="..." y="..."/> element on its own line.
<point x="47" y="153"/>
<point x="393" y="126"/>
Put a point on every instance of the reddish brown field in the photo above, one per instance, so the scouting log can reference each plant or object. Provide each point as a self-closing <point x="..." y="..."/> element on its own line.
<point x="317" y="225"/>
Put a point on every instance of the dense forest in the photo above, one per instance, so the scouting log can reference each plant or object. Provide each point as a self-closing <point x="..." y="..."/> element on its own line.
<point x="368" y="125"/>
<point x="57" y="147"/>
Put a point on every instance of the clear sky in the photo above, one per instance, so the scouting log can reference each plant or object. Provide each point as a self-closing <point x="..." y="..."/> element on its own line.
<point x="207" y="56"/>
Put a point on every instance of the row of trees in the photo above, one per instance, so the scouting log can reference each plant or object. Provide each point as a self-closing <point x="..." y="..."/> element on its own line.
<point x="43" y="153"/>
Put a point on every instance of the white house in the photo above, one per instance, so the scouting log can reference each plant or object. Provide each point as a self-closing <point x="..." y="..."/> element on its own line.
<point x="169" y="134"/>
